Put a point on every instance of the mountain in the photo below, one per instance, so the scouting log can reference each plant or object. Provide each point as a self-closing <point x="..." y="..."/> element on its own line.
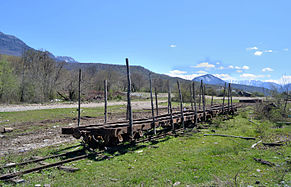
<point x="257" y="83"/>
<point x="10" y="45"/>
<point x="209" y="79"/>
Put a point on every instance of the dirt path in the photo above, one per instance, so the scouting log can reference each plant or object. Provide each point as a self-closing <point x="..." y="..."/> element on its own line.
<point x="135" y="104"/>
<point x="15" y="108"/>
<point x="33" y="135"/>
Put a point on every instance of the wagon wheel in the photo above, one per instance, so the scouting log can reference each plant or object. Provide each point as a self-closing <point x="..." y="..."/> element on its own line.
<point x="110" y="140"/>
<point x="91" y="140"/>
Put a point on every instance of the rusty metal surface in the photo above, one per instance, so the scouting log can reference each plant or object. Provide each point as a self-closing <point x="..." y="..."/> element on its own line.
<point x="100" y="135"/>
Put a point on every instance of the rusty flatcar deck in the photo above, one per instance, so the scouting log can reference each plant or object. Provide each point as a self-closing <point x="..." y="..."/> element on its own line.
<point x="105" y="134"/>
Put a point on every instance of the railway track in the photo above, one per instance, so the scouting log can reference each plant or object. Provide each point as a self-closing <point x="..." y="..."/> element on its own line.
<point x="99" y="155"/>
<point x="162" y="122"/>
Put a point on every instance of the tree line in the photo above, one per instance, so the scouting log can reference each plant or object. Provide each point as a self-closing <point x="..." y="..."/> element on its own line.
<point x="36" y="77"/>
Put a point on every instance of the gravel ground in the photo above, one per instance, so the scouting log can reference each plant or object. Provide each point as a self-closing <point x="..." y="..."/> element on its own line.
<point x="135" y="105"/>
<point x="14" y="108"/>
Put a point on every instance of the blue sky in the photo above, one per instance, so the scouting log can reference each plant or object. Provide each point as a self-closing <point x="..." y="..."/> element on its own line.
<point x="246" y="39"/>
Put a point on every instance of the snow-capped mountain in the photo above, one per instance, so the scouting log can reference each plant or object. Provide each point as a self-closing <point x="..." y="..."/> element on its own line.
<point x="209" y="79"/>
<point x="65" y="58"/>
<point x="243" y="84"/>
<point x="257" y="83"/>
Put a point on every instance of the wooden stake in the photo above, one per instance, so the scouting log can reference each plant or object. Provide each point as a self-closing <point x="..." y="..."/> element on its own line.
<point x="223" y="97"/>
<point x="200" y="93"/>
<point x="152" y="105"/>
<point x="194" y="98"/>
<point x="230" y="91"/>
<point x="204" y="103"/>
<point x="105" y="101"/>
<point x="170" y="106"/>
<point x="79" y="99"/>
<point x="191" y="98"/>
<point x="212" y="101"/>
<point x="129" y="99"/>
<point x="181" y="105"/>
<point x="228" y="103"/>
<point x="157" y="105"/>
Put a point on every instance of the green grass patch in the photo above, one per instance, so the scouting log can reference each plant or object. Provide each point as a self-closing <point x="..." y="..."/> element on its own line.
<point x="191" y="160"/>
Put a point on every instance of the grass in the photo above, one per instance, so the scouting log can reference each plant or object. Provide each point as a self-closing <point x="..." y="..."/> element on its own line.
<point x="53" y="114"/>
<point x="190" y="160"/>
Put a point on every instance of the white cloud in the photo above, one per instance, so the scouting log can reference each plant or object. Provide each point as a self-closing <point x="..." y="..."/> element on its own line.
<point x="239" y="71"/>
<point x="267" y="69"/>
<point x="251" y="76"/>
<point x="230" y="67"/>
<point x="286" y="49"/>
<point x="258" y="53"/>
<point x="252" y="48"/>
<point x="245" y="67"/>
<point x="221" y="67"/>
<point x="177" y="72"/>
<point x="202" y="72"/>
<point x="285" y="79"/>
<point x="183" y="75"/>
<point x="204" y="65"/>
<point x="217" y="63"/>
<point x="224" y="76"/>
<point x="238" y="67"/>
<point x="268" y="51"/>
<point x="173" y="45"/>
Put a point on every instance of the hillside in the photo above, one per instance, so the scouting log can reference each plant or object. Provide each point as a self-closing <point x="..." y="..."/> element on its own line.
<point x="10" y="45"/>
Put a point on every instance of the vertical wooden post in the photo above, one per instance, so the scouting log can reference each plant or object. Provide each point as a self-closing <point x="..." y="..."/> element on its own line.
<point x="79" y="98"/>
<point x="105" y="101"/>
<point x="129" y="100"/>
<point x="204" y="103"/>
<point x="228" y="103"/>
<point x="194" y="98"/>
<point x="223" y="98"/>
<point x="200" y="93"/>
<point x="286" y="100"/>
<point x="211" y="101"/>
<point x="170" y="106"/>
<point x="126" y="117"/>
<point x="191" y="98"/>
<point x="152" y="105"/>
<point x="181" y="104"/>
<point x="157" y="105"/>
<point x="230" y="96"/>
